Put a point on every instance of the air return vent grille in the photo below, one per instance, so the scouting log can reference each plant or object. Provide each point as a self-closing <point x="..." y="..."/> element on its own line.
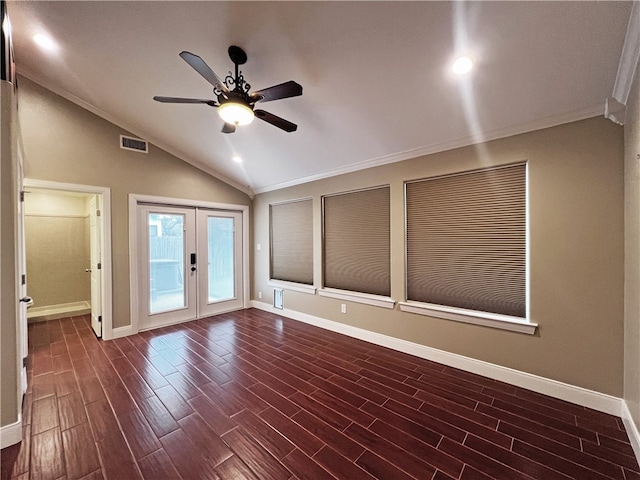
<point x="135" y="144"/>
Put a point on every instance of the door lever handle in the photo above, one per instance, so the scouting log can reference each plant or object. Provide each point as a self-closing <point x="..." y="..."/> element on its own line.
<point x="26" y="299"/>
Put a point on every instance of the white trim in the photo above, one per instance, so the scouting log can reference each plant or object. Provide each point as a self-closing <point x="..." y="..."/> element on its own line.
<point x="136" y="131"/>
<point x="11" y="434"/>
<point x="60" y="310"/>
<point x="632" y="429"/>
<point x="107" y="266"/>
<point x="366" y="298"/>
<point x="628" y="58"/>
<point x="486" y="319"/>
<point x="120" y="332"/>
<point x="54" y="215"/>
<point x="294" y="287"/>
<point x="134" y="199"/>
<point x="133" y="265"/>
<point x="537" y="124"/>
<point x="546" y="386"/>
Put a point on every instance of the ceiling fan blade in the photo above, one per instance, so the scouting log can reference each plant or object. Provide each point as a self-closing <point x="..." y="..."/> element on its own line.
<point x="228" y="128"/>
<point x="184" y="100"/>
<point x="276" y="121"/>
<point x="284" y="90"/>
<point x="203" y="69"/>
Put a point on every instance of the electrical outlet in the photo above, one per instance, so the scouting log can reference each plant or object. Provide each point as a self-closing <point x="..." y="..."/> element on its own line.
<point x="343" y="308"/>
<point x="259" y="294"/>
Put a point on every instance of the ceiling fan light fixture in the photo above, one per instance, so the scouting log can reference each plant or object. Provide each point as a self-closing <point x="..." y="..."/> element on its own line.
<point x="236" y="113"/>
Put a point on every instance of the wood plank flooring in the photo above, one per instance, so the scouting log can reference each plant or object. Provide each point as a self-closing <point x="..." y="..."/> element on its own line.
<point x="252" y="395"/>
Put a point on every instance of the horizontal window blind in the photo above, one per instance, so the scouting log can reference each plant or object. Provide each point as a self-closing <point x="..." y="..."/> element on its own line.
<point x="357" y="241"/>
<point x="292" y="241"/>
<point x="466" y="240"/>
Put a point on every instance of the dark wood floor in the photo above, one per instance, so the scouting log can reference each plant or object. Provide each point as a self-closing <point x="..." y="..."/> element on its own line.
<point x="254" y="395"/>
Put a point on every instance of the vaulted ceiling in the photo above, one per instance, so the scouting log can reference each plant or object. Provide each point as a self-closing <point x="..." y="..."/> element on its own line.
<point x="376" y="75"/>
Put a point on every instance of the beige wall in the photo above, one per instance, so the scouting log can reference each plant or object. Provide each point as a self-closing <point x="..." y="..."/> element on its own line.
<point x="632" y="254"/>
<point x="57" y="239"/>
<point x="576" y="255"/>
<point x="57" y="255"/>
<point x="66" y="143"/>
<point x="8" y="277"/>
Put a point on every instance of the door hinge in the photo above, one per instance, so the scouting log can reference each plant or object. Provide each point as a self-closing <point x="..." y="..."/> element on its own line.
<point x="22" y="195"/>
<point x="23" y="279"/>
<point x="97" y="213"/>
<point x="24" y="362"/>
<point x="100" y="319"/>
<point x="99" y="266"/>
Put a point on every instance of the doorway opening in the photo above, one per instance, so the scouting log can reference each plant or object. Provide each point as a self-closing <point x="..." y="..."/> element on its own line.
<point x="68" y="252"/>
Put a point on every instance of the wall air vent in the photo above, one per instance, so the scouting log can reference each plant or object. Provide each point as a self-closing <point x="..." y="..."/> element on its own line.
<point x="135" y="144"/>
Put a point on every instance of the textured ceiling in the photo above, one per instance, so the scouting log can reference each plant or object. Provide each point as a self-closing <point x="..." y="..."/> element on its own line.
<point x="377" y="86"/>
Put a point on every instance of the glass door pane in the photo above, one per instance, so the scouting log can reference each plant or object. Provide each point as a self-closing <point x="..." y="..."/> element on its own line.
<point x="167" y="286"/>
<point x="220" y="251"/>
<point x="166" y="262"/>
<point x="220" y="257"/>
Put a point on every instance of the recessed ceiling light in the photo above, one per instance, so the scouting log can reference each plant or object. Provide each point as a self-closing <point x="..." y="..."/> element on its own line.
<point x="45" y="42"/>
<point x="237" y="158"/>
<point x="462" y="65"/>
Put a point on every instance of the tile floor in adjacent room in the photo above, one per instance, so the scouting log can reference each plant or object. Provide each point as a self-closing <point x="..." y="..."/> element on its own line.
<point x="255" y="395"/>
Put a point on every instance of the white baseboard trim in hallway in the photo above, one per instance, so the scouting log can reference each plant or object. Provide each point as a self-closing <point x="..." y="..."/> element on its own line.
<point x="11" y="434"/>
<point x="563" y="391"/>
<point x="632" y="430"/>
<point x="53" y="312"/>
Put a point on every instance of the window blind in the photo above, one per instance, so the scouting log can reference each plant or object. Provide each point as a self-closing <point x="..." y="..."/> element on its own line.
<point x="466" y="240"/>
<point x="292" y="241"/>
<point x="357" y="241"/>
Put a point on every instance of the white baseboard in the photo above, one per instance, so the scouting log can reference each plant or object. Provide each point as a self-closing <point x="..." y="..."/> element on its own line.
<point x="564" y="391"/>
<point x="632" y="430"/>
<point x="120" y="332"/>
<point x="53" y="312"/>
<point x="11" y="434"/>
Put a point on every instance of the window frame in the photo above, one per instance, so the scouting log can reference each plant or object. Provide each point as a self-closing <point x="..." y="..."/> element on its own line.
<point x="309" y="288"/>
<point x="384" y="301"/>
<point x="464" y="315"/>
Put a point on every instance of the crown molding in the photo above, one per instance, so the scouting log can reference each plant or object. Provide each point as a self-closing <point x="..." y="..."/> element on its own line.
<point x="135" y="131"/>
<point x="616" y="105"/>
<point x="537" y="124"/>
<point x="628" y="58"/>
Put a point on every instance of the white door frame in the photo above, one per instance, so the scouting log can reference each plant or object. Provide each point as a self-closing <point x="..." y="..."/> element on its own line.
<point x="105" y="241"/>
<point x="95" y="260"/>
<point x="134" y="254"/>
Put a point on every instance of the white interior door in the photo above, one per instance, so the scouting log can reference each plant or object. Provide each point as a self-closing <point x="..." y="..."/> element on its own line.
<point x="96" y="264"/>
<point x="167" y="270"/>
<point x="25" y="301"/>
<point x="219" y="262"/>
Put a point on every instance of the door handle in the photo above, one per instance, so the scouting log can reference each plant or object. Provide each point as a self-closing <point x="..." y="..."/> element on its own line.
<point x="193" y="269"/>
<point x="88" y="270"/>
<point x="26" y="299"/>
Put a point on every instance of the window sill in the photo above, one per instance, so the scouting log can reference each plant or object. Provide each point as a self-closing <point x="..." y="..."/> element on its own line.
<point x="366" y="298"/>
<point x="494" y="320"/>
<point x="295" y="287"/>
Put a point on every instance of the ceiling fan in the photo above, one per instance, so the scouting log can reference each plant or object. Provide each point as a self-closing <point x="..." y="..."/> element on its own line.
<point x="236" y="106"/>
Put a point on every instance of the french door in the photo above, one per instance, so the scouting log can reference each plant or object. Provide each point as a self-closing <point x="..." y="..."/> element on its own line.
<point x="190" y="263"/>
